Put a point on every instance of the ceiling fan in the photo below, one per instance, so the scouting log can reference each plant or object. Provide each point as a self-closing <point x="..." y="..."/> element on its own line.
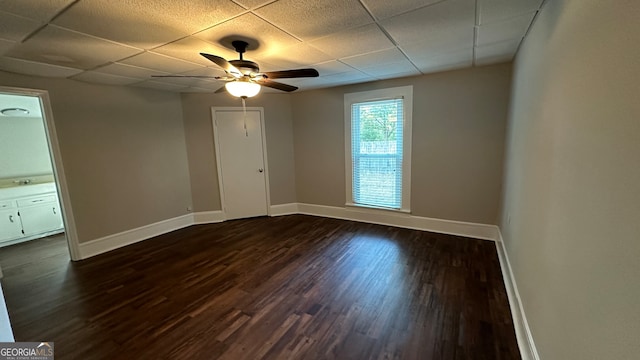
<point x="244" y="77"/>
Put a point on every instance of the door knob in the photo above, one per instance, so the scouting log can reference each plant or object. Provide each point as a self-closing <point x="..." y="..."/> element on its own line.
<point x="260" y="170"/>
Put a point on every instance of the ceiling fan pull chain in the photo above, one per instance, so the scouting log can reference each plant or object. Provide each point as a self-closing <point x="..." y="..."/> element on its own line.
<point x="244" y="110"/>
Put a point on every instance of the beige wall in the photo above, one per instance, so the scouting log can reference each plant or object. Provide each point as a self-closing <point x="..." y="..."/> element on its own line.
<point x="459" y="122"/>
<point x="571" y="218"/>
<point x="201" y="150"/>
<point x="124" y="153"/>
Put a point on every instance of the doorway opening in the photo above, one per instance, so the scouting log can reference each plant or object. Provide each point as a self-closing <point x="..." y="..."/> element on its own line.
<point x="34" y="201"/>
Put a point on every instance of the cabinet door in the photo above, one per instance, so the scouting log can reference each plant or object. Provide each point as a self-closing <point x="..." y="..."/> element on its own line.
<point x="40" y="219"/>
<point x="10" y="226"/>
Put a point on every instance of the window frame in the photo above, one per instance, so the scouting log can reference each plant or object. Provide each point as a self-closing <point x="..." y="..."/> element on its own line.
<point x="406" y="93"/>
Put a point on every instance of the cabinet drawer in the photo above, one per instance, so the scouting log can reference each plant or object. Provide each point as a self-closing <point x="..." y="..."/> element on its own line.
<point x="7" y="204"/>
<point x="37" y="200"/>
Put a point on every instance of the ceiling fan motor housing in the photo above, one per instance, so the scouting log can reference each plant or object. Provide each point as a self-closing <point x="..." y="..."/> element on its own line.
<point x="245" y="66"/>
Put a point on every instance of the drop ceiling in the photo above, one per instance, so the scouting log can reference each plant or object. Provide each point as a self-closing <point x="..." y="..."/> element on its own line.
<point x="124" y="42"/>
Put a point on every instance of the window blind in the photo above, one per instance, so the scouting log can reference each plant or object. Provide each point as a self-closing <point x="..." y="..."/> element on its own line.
<point x="376" y="151"/>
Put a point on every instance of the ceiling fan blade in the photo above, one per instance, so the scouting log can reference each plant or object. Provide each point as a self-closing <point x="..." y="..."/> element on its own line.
<point x="224" y="64"/>
<point x="292" y="73"/>
<point x="221" y="90"/>
<point x="191" y="76"/>
<point x="276" y="85"/>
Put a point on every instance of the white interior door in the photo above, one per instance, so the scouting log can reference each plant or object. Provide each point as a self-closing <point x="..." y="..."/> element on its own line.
<point x="241" y="162"/>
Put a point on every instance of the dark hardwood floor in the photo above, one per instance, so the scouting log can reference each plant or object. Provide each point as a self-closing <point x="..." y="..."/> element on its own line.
<point x="290" y="287"/>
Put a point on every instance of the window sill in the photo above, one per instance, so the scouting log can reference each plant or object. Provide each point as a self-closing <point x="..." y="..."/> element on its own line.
<point x="378" y="208"/>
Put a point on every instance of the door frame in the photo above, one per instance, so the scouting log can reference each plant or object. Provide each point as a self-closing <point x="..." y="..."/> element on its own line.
<point x="68" y="219"/>
<point x="216" y="142"/>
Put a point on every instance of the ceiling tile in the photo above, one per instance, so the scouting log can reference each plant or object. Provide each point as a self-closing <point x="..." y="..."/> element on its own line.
<point x="190" y="48"/>
<point x="436" y="68"/>
<point x="435" y="21"/>
<point x="5" y="46"/>
<point x="40" y="10"/>
<point x="155" y="61"/>
<point x="189" y="81"/>
<point x="205" y="71"/>
<point x="448" y="61"/>
<point x="296" y="56"/>
<point x="146" y="24"/>
<point x="395" y="69"/>
<point x="399" y="75"/>
<point x="332" y="67"/>
<point x="102" y="78"/>
<point x="198" y="82"/>
<point x="253" y="4"/>
<point x="16" y="28"/>
<point x="511" y="29"/>
<point x="383" y="9"/>
<point x="35" y="68"/>
<point x="311" y="19"/>
<point x="374" y="58"/>
<point x="441" y="43"/>
<point x="129" y="71"/>
<point x="270" y="38"/>
<point x="385" y="63"/>
<point x="495" y="10"/>
<point x="356" y="41"/>
<point x="159" y="85"/>
<point x="59" y="46"/>
<point x="496" y="52"/>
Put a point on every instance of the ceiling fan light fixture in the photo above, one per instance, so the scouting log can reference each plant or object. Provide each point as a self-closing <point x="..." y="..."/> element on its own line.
<point x="242" y="88"/>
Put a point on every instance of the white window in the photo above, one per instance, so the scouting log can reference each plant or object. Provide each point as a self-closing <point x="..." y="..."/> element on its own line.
<point x="378" y="148"/>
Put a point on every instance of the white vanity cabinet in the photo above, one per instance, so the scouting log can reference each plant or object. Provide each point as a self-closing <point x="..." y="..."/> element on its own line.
<point x="39" y="214"/>
<point x="10" y="225"/>
<point x="26" y="215"/>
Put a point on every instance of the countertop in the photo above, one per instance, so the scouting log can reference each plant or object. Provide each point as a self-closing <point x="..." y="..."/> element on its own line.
<point x="25" y="190"/>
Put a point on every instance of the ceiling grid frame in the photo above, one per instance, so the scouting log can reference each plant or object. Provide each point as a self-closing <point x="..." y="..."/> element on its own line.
<point x="431" y="56"/>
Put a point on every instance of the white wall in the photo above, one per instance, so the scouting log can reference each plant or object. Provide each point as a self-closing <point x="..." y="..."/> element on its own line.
<point x="23" y="145"/>
<point x="571" y="209"/>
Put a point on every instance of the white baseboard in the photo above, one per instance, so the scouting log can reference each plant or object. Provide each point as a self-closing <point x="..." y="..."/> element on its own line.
<point x="128" y="237"/>
<point x="283" y="209"/>
<point x="382" y="217"/>
<point x="208" y="217"/>
<point x="474" y="230"/>
<point x="526" y="344"/>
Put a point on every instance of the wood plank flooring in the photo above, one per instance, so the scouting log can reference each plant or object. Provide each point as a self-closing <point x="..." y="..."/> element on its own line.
<point x="290" y="287"/>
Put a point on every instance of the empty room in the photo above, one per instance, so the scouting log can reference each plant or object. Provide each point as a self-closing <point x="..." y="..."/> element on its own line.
<point x="330" y="179"/>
